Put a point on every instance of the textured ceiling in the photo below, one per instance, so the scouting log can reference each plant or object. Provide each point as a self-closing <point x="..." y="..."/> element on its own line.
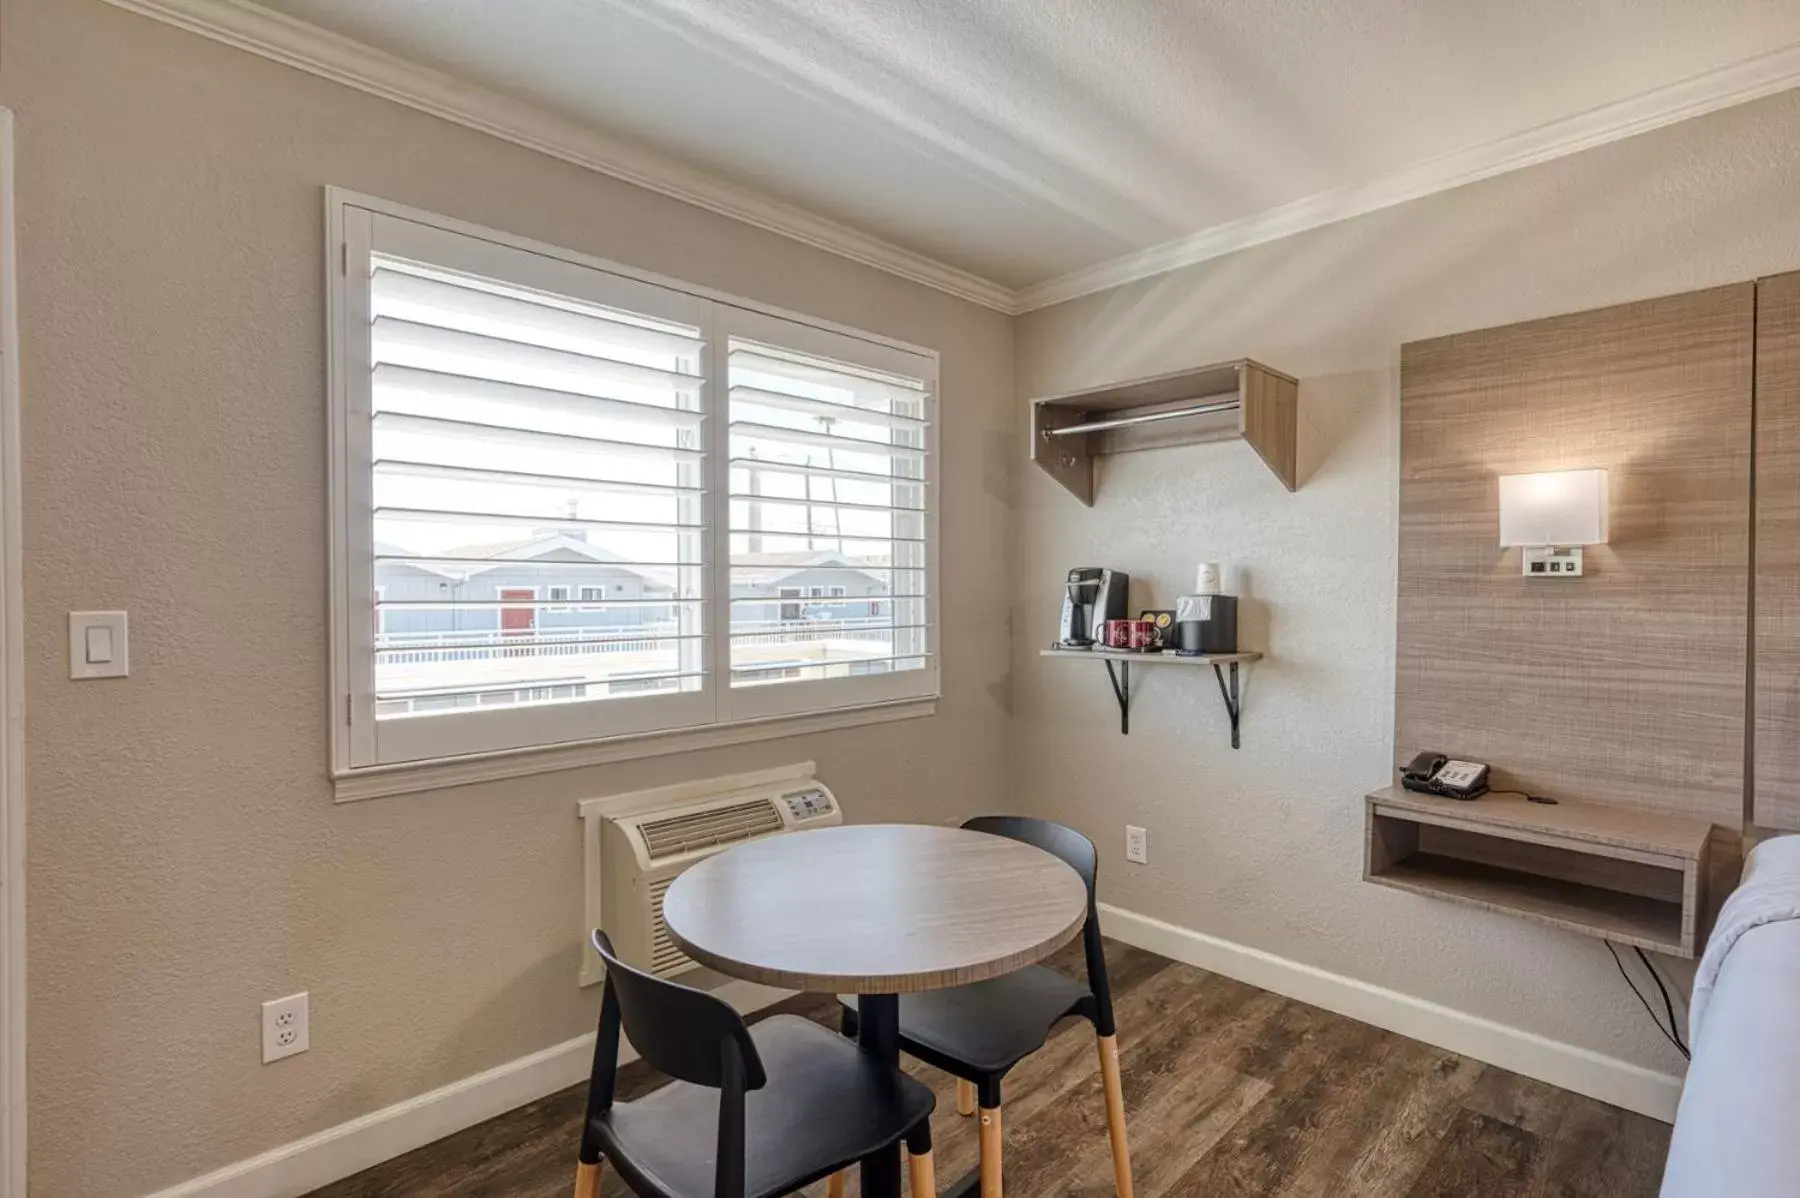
<point x="1024" y="139"/>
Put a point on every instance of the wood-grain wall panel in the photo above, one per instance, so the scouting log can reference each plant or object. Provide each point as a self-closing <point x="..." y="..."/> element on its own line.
<point x="1776" y="777"/>
<point x="1626" y="685"/>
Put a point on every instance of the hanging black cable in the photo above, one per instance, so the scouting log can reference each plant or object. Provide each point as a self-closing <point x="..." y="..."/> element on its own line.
<point x="1668" y="1006"/>
<point x="1648" y="1009"/>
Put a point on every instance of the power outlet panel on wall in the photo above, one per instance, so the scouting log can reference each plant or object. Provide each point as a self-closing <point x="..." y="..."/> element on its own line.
<point x="1137" y="845"/>
<point x="1553" y="563"/>
<point x="284" y="1027"/>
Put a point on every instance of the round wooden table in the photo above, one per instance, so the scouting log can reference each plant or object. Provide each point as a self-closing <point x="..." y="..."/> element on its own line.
<point x="877" y="910"/>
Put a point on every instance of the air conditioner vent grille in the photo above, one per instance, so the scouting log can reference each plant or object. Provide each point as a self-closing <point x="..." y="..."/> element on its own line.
<point x="666" y="959"/>
<point x="665" y="838"/>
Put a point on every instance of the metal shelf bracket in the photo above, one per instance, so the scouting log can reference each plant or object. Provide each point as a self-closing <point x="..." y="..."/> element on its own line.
<point x="1121" y="685"/>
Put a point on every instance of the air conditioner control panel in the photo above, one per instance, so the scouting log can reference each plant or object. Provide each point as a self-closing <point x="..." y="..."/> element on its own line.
<point x="808" y="804"/>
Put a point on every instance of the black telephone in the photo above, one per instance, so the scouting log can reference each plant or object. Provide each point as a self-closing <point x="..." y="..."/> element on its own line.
<point x="1436" y="774"/>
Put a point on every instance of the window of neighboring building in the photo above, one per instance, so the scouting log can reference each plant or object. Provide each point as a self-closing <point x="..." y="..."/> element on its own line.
<point x="504" y="411"/>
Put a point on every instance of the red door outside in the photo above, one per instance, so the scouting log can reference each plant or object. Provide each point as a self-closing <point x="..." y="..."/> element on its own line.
<point x="518" y="621"/>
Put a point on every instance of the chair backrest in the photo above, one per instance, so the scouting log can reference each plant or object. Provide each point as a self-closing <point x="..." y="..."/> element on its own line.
<point x="677" y="1029"/>
<point x="1078" y="852"/>
<point x="1056" y="839"/>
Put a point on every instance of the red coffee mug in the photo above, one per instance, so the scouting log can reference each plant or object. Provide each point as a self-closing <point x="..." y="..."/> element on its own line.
<point x="1128" y="634"/>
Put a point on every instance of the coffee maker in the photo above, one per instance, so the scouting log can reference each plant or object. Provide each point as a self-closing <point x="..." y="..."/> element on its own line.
<point x="1093" y="595"/>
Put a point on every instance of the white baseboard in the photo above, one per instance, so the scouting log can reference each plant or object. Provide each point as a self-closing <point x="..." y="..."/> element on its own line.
<point x="337" y="1152"/>
<point x="1578" y="1069"/>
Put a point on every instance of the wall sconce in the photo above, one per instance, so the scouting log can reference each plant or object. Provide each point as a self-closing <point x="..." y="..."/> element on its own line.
<point x="1551" y="516"/>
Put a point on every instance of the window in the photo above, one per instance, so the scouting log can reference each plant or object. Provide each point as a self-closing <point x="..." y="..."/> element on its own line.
<point x="829" y="457"/>
<point x="506" y="415"/>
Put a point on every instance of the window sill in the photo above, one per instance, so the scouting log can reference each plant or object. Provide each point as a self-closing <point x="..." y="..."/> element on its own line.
<point x="415" y="777"/>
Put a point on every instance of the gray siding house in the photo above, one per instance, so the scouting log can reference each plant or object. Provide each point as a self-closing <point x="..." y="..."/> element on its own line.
<point x="561" y="566"/>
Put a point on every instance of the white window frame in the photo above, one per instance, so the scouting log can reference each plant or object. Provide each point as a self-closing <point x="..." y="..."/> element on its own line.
<point x="824" y="694"/>
<point x="423" y="754"/>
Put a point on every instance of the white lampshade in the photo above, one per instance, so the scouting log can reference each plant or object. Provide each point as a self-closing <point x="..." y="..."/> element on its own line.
<point x="1560" y="507"/>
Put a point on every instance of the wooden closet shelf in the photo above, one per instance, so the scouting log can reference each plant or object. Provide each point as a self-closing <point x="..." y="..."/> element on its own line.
<point x="1241" y="400"/>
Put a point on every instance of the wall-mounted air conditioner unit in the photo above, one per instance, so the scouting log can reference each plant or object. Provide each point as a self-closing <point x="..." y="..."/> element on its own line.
<point x="636" y="845"/>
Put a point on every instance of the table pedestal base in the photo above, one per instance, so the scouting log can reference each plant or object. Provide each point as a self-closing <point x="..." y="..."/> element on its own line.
<point x="878" y="1031"/>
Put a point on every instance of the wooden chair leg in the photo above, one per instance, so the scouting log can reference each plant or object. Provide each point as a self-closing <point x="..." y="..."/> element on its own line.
<point x="587" y="1181"/>
<point x="990" y="1152"/>
<point x="965" y="1097"/>
<point x="1115" y="1114"/>
<point x="835" y="1187"/>
<point x="923" y="1178"/>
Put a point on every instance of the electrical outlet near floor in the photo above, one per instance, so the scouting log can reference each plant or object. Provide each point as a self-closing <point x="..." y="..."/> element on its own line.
<point x="284" y="1030"/>
<point x="1137" y="845"/>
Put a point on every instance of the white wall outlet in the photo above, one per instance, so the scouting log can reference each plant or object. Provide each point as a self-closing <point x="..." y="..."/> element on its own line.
<point x="1137" y="845"/>
<point x="284" y="1030"/>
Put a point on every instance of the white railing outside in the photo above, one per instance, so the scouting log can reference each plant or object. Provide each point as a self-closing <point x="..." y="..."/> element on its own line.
<point x="490" y="644"/>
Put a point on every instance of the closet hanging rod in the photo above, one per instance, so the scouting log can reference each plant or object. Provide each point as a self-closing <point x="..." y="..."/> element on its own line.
<point x="1097" y="426"/>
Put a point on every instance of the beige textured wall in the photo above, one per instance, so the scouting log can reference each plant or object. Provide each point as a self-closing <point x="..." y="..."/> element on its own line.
<point x="1263" y="846"/>
<point x="186" y="861"/>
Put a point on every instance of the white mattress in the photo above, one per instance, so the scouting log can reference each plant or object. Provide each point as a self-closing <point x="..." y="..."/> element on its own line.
<point x="1737" y="1134"/>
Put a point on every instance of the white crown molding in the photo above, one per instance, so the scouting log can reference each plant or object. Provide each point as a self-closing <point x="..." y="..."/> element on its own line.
<point x="297" y="44"/>
<point x="319" y="52"/>
<point x="1725" y="87"/>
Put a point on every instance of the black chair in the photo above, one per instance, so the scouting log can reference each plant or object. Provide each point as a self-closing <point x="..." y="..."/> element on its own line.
<point x="751" y="1112"/>
<point x="978" y="1033"/>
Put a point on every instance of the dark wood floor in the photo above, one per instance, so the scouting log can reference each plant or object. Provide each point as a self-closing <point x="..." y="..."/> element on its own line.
<point x="1229" y="1091"/>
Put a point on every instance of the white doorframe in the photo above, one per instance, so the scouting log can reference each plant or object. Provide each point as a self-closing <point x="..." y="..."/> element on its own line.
<point x="12" y="708"/>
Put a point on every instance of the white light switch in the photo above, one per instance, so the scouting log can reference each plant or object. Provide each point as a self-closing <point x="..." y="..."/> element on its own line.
<point x="97" y="645"/>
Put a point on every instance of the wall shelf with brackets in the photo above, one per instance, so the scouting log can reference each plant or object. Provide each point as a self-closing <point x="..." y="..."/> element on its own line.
<point x="1224" y="666"/>
<point x="1231" y="401"/>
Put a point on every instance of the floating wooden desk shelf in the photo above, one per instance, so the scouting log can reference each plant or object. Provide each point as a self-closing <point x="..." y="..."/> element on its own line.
<point x="1630" y="877"/>
<point x="1230" y="401"/>
<point x="1121" y="678"/>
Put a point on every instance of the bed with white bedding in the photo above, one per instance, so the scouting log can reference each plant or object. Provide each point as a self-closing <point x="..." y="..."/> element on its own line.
<point x="1737" y="1132"/>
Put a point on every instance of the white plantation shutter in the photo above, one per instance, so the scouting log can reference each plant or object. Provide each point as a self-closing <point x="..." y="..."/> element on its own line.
<point x="572" y="504"/>
<point x="829" y="476"/>
<point x="529" y="432"/>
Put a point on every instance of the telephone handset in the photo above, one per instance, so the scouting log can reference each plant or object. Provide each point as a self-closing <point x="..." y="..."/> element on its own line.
<point x="1436" y="774"/>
